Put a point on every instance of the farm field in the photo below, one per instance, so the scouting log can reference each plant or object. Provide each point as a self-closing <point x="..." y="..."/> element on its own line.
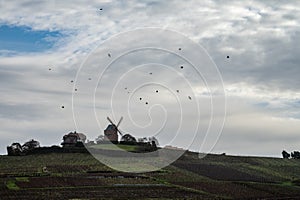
<point x="80" y="176"/>
<point x="114" y="147"/>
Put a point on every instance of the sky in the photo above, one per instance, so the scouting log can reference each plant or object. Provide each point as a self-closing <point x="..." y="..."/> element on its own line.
<point x="44" y="45"/>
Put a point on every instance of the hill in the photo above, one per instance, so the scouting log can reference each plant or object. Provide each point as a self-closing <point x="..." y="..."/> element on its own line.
<point x="80" y="176"/>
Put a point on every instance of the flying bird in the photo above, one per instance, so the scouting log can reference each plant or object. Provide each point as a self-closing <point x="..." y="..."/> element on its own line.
<point x="109" y="55"/>
<point x="190" y="98"/>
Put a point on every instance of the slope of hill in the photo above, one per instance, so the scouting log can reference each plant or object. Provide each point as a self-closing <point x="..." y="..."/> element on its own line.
<point x="80" y="176"/>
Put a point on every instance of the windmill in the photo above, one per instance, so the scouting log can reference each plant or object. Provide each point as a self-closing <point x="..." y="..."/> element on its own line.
<point x="112" y="130"/>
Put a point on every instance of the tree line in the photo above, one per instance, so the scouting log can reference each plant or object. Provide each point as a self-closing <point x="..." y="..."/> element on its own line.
<point x="294" y="154"/>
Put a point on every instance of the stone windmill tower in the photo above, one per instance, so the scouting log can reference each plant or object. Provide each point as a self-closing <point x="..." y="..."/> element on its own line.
<point x="112" y="130"/>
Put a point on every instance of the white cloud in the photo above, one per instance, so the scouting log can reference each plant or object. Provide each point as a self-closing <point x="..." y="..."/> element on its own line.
<point x="262" y="39"/>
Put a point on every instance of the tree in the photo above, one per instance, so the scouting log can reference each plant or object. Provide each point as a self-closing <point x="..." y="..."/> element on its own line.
<point x="295" y="155"/>
<point x="127" y="138"/>
<point x="100" y="139"/>
<point x="30" y="145"/>
<point x="285" y="154"/>
<point x="153" y="140"/>
<point x="15" y="149"/>
<point x="142" y="140"/>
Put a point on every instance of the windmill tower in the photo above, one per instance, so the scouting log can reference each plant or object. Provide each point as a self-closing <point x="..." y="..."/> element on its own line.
<point x="112" y="130"/>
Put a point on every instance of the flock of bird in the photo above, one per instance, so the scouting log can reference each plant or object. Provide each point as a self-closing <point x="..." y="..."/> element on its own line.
<point x="150" y="73"/>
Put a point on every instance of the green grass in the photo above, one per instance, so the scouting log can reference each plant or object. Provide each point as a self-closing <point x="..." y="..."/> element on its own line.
<point x="284" y="172"/>
<point x="287" y="183"/>
<point x="22" y="179"/>
<point x="32" y="165"/>
<point x="11" y="185"/>
<point x="116" y="147"/>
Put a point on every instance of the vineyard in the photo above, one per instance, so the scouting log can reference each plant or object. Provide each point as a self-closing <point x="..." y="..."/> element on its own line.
<point x="80" y="176"/>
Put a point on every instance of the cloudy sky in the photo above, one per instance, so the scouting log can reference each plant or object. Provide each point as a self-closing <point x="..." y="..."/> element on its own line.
<point x="44" y="45"/>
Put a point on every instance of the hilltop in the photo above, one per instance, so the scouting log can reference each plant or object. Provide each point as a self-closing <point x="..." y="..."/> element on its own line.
<point x="80" y="176"/>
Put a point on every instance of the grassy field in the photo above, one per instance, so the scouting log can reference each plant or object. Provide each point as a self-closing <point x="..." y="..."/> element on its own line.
<point x="80" y="176"/>
<point x="114" y="147"/>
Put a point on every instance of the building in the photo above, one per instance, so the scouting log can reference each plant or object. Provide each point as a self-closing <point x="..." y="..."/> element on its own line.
<point x="73" y="139"/>
<point x="111" y="133"/>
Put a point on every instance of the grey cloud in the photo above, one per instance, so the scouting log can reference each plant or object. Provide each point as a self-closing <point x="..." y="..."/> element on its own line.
<point x="21" y="111"/>
<point x="261" y="38"/>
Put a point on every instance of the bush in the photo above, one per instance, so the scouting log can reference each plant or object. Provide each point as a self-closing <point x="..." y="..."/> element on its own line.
<point x="285" y="154"/>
